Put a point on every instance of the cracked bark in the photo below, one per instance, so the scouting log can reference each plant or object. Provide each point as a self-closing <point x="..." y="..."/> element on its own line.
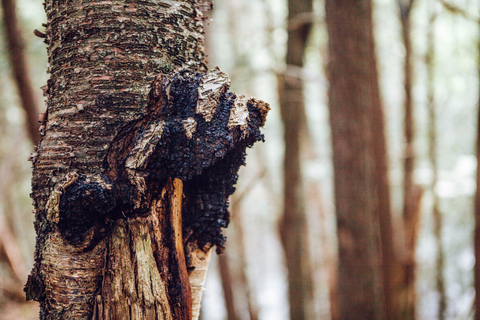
<point x="139" y="153"/>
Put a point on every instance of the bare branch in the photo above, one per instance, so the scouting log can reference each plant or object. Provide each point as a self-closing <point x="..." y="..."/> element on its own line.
<point x="457" y="10"/>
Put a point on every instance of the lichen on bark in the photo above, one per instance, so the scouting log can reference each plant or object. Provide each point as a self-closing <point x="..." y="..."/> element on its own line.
<point x="134" y="121"/>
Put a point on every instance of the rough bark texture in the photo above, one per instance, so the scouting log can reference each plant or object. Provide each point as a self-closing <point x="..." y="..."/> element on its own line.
<point x="16" y="52"/>
<point x="293" y="224"/>
<point x="112" y="241"/>
<point x="351" y="98"/>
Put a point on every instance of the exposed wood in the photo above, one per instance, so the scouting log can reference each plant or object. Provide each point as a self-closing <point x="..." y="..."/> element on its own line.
<point x="200" y="260"/>
<point x="132" y="116"/>
<point x="352" y="94"/>
<point x="17" y="55"/>
<point x="145" y="275"/>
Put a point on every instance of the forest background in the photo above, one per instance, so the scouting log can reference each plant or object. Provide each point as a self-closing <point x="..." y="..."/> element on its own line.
<point x="247" y="39"/>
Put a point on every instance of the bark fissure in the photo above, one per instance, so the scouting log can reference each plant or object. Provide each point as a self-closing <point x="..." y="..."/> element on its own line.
<point x="116" y="158"/>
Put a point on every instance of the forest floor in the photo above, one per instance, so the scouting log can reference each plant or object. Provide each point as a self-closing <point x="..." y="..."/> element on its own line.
<point x="20" y="311"/>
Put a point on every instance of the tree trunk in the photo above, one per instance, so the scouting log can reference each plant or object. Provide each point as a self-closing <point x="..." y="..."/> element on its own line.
<point x="351" y="98"/>
<point x="389" y="261"/>
<point x="238" y="227"/>
<point x="432" y="154"/>
<point x="293" y="224"/>
<point x="227" y="287"/>
<point x="131" y="178"/>
<point x="412" y="193"/>
<point x="16" y="52"/>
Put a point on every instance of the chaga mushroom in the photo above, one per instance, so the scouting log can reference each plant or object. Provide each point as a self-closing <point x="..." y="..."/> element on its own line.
<point x="195" y="131"/>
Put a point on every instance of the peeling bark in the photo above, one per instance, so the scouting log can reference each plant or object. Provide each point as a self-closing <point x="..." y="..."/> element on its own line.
<point x="134" y="122"/>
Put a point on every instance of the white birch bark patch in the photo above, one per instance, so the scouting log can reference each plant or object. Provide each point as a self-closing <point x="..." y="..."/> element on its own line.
<point x="239" y="114"/>
<point x="212" y="86"/>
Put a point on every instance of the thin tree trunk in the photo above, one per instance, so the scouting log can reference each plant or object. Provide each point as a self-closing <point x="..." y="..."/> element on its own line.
<point x="389" y="261"/>
<point x="240" y="241"/>
<point x="351" y="98"/>
<point x="329" y="255"/>
<point x="16" y="52"/>
<point x="227" y="286"/>
<point x="432" y="154"/>
<point x="293" y="224"/>
<point x="412" y="193"/>
<point x="134" y="125"/>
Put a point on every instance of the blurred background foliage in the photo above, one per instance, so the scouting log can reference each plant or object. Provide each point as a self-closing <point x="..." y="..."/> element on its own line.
<point x="247" y="39"/>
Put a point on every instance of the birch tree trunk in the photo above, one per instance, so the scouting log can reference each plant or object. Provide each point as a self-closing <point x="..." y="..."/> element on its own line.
<point x="139" y="153"/>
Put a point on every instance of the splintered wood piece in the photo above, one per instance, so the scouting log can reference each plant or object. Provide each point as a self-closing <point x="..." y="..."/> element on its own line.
<point x="146" y="274"/>
<point x="200" y="260"/>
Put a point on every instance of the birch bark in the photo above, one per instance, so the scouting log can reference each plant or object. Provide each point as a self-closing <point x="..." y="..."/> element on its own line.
<point x="139" y="153"/>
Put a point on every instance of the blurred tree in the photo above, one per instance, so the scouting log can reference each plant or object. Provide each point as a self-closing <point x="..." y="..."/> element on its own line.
<point x="9" y="249"/>
<point x="432" y="154"/>
<point x="412" y="193"/>
<point x="16" y="52"/>
<point x="293" y="224"/>
<point x="227" y="286"/>
<point x="235" y="281"/>
<point x="354" y="106"/>
<point x="139" y="152"/>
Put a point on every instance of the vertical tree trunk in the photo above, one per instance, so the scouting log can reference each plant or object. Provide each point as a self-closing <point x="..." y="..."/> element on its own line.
<point x="16" y="52"/>
<point x="293" y="224"/>
<point x="119" y="153"/>
<point x="389" y="261"/>
<point x="412" y="193"/>
<point x="432" y="154"/>
<point x="227" y="287"/>
<point x="351" y="98"/>
<point x="237" y="217"/>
